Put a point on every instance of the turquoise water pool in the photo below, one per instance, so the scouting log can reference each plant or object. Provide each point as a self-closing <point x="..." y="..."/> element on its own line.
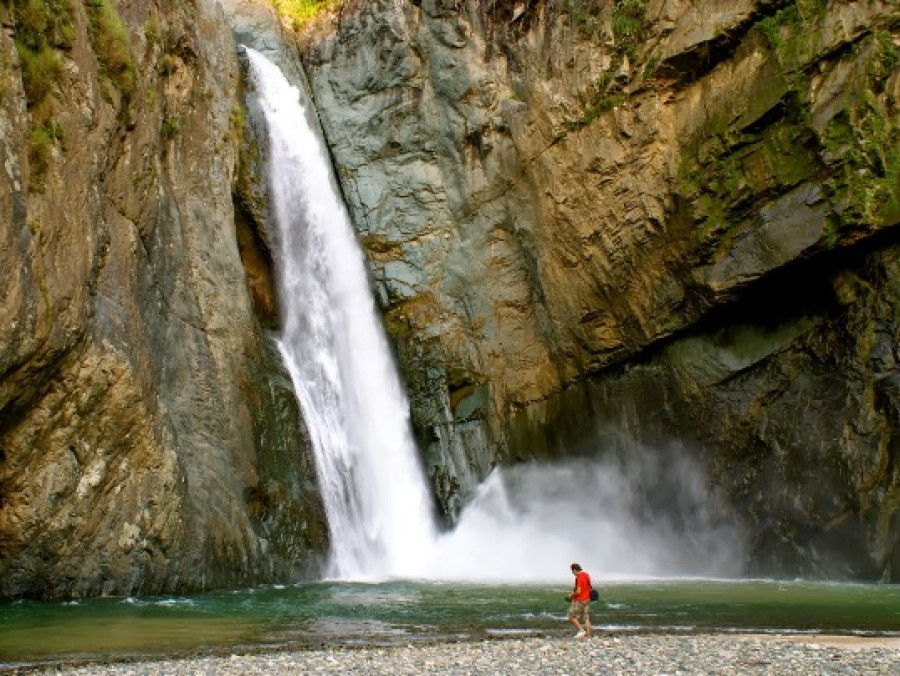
<point x="311" y="615"/>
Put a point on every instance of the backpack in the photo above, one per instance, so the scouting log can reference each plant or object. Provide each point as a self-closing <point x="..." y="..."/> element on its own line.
<point x="595" y="595"/>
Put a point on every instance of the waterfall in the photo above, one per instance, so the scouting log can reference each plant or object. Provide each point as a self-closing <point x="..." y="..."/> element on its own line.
<point x="525" y="523"/>
<point x="378" y="508"/>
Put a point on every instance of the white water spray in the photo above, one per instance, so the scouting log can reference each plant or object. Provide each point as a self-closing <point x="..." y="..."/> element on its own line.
<point x="379" y="512"/>
<point x="526" y="523"/>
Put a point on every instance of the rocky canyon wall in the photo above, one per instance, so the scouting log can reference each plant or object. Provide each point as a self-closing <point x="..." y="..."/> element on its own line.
<point x="674" y="218"/>
<point x="149" y="438"/>
<point x="656" y="221"/>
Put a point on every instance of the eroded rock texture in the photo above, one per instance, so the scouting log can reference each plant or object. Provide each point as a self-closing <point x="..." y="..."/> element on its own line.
<point x="672" y="220"/>
<point x="149" y="439"/>
<point x="674" y="216"/>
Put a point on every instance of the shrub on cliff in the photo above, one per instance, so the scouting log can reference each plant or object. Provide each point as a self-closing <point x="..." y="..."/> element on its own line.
<point x="41" y="27"/>
<point x="299" y="12"/>
<point x="112" y="45"/>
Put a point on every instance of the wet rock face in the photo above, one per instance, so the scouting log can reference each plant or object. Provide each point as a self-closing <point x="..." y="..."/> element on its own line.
<point x="789" y="398"/>
<point x="550" y="199"/>
<point x="145" y="435"/>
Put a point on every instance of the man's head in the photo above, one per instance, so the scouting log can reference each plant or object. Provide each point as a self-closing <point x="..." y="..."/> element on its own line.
<point x="575" y="568"/>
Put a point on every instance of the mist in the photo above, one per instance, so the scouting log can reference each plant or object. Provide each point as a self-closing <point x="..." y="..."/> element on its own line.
<point x="650" y="514"/>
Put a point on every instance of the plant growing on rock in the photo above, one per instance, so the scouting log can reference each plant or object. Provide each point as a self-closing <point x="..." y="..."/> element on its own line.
<point x="41" y="69"/>
<point x="628" y="24"/>
<point x="41" y="28"/>
<point x="111" y="42"/>
<point x="300" y="12"/>
<point x="606" y="96"/>
<point x="171" y="127"/>
<point x="863" y="143"/>
<point x="627" y="19"/>
<point x="793" y="32"/>
<point x="42" y="139"/>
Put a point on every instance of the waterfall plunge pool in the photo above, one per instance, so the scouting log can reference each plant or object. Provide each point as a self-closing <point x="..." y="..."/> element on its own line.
<point x="365" y="451"/>
<point x="326" y="614"/>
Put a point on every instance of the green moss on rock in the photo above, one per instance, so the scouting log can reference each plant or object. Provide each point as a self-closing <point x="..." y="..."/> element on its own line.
<point x="863" y="145"/>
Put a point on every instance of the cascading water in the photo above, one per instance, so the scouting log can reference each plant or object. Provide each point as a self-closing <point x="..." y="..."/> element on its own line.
<point x="526" y="523"/>
<point x="378" y="508"/>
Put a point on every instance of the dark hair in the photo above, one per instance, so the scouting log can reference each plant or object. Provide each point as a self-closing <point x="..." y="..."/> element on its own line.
<point x="575" y="567"/>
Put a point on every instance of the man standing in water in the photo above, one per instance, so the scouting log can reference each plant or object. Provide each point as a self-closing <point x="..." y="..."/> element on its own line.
<point x="580" y="610"/>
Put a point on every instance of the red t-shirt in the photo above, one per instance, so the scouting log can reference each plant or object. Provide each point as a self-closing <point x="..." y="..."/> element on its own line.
<point x="583" y="580"/>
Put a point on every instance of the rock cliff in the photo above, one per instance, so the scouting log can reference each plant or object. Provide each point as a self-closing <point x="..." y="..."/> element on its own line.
<point x="673" y="218"/>
<point x="149" y="440"/>
<point x="591" y="225"/>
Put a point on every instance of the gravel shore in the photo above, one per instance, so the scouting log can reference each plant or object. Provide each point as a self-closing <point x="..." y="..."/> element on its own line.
<point x="602" y="654"/>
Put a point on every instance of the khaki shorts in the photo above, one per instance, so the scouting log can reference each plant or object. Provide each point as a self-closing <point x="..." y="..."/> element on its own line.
<point x="580" y="610"/>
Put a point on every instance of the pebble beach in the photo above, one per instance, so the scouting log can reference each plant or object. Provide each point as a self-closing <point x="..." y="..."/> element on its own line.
<point x="625" y="654"/>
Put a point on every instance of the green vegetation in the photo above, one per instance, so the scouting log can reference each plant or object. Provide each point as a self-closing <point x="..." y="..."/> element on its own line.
<point x="40" y="149"/>
<point x="171" y="127"/>
<point x="628" y="18"/>
<point x="711" y="189"/>
<point x="650" y="67"/>
<point x="42" y="139"/>
<point x="606" y="96"/>
<point x="112" y="44"/>
<point x="793" y="32"/>
<point x="168" y="64"/>
<point x="40" y="23"/>
<point x="238" y="120"/>
<point x="628" y="24"/>
<point x="41" y="70"/>
<point x="300" y="12"/>
<point x="729" y="168"/>
<point x="867" y="184"/>
<point x="782" y="27"/>
<point x="628" y="29"/>
<point x="725" y="173"/>
<point x="786" y="152"/>
<point x="864" y="143"/>
<point x="885" y="60"/>
<point x="41" y="29"/>
<point x="587" y="16"/>
<point x="142" y="179"/>
<point x="151" y="31"/>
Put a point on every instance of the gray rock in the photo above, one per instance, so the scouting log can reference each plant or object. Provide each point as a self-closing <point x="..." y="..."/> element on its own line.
<point x="131" y="459"/>
<point x="598" y="227"/>
<point x="784" y="231"/>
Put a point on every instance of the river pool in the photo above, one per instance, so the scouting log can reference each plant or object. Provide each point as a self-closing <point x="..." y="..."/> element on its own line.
<point x="332" y="613"/>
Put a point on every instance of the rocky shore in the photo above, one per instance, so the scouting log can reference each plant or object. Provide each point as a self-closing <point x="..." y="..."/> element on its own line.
<point x="638" y="654"/>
